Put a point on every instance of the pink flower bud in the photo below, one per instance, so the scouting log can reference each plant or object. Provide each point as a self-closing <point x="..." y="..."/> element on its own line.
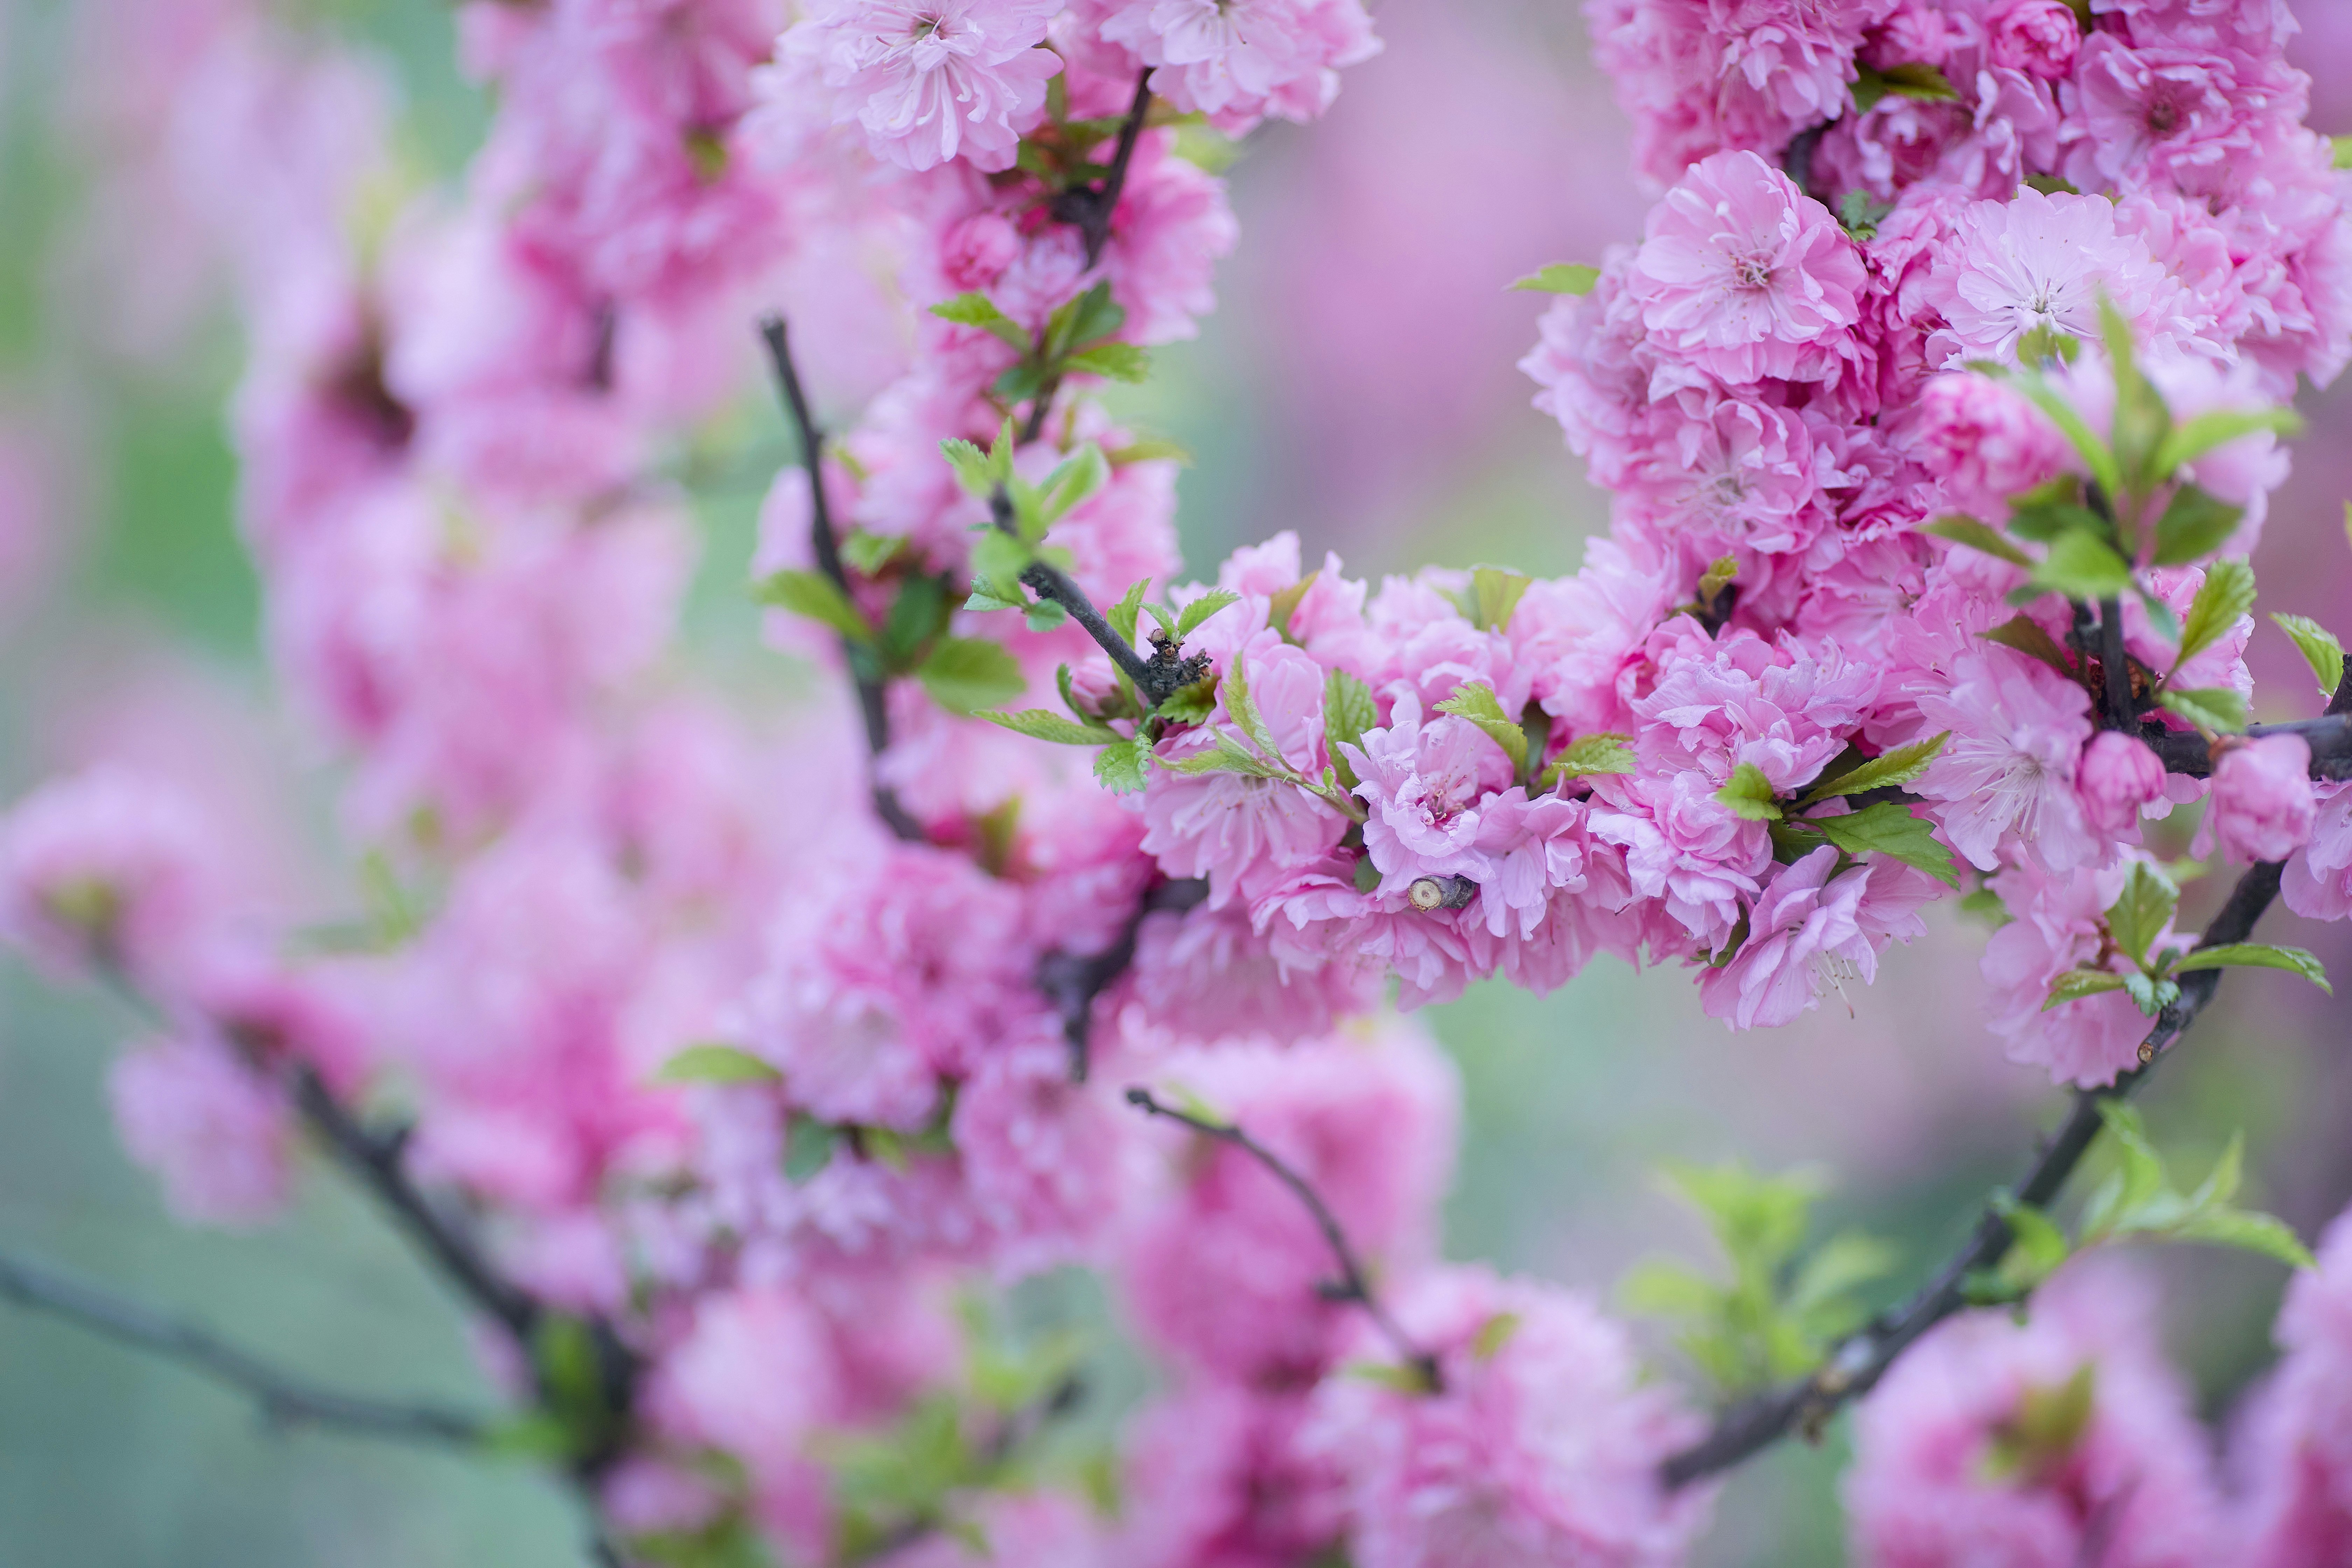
<point x="2119" y="776"/>
<point x="2038" y="36"/>
<point x="2263" y="803"/>
<point x="976" y="250"/>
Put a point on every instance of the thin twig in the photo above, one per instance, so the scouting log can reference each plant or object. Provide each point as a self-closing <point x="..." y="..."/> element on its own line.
<point x="1353" y="1284"/>
<point x="1156" y="678"/>
<point x="1855" y="1368"/>
<point x="1072" y="981"/>
<point x="2115" y="667"/>
<point x="825" y="544"/>
<point x="284" y="1399"/>
<point x="1089" y="209"/>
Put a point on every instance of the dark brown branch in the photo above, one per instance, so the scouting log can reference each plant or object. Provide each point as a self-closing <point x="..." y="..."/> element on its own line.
<point x="1855" y="1368"/>
<point x="284" y="1400"/>
<point x="1088" y="208"/>
<point x="1072" y="981"/>
<point x="2114" y="668"/>
<point x="2329" y="737"/>
<point x="873" y="707"/>
<point x="1353" y="1284"/>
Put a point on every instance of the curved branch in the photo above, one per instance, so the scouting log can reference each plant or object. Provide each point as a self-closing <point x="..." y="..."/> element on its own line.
<point x="1353" y="1284"/>
<point x="1072" y="981"/>
<point x="284" y="1399"/>
<point x="1855" y="1368"/>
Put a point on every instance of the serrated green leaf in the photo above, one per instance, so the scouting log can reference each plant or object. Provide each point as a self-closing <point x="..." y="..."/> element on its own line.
<point x="869" y="552"/>
<point x="2142" y="909"/>
<point x="2216" y="710"/>
<point x="1045" y="615"/>
<point x="2227" y="594"/>
<point x="2046" y="520"/>
<point x="2095" y="452"/>
<point x="1348" y="710"/>
<point x="972" y="470"/>
<point x="2257" y="955"/>
<point x="1749" y="795"/>
<point x="997" y="562"/>
<point x="1979" y="536"/>
<point x="964" y="675"/>
<point x="2248" y="1231"/>
<point x="2320" y="649"/>
<point x="712" y="1061"/>
<point x="2077" y="983"/>
<point x="1041" y="725"/>
<point x="1890" y="829"/>
<point x="1121" y="766"/>
<point x="814" y="595"/>
<point x="1898" y="767"/>
<point x="1075" y="482"/>
<point x="1284" y="604"/>
<point x="2023" y="634"/>
<point x="2082" y="566"/>
<point x="2195" y="524"/>
<point x="1561" y="277"/>
<point x="2192" y="439"/>
<point x="1240" y="706"/>
<point x="1477" y="702"/>
<point x="976" y="309"/>
<point x="1124" y="614"/>
<point x="1202" y="608"/>
<point x="1190" y="704"/>
<point x="1115" y="361"/>
<point x="1598" y="752"/>
<point x="1228" y="756"/>
<point x="2141" y="1173"/>
<point x="1494" y="597"/>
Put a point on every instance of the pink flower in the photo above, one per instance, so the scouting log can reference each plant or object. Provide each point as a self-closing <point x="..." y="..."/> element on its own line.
<point x="2040" y="262"/>
<point x="1685" y="847"/>
<point x="2058" y="925"/>
<point x="2035" y="36"/>
<point x="1216" y="1477"/>
<point x="1543" y="1448"/>
<point x="1041" y="1153"/>
<point x="1238" y="61"/>
<point x="1789" y="709"/>
<point x="2119" y="776"/>
<point x="2160" y="114"/>
<point x="2007" y="775"/>
<point x="1802" y="939"/>
<point x="1532" y="849"/>
<point x="2317" y="882"/>
<point x="930" y="80"/>
<point x="217" y="1133"/>
<point x="2262" y="804"/>
<point x="1746" y="276"/>
<point x="1427" y="786"/>
<point x="2293" y="1449"/>
<point x="1967" y="1454"/>
<point x="107" y="867"/>
<point x="1983" y="439"/>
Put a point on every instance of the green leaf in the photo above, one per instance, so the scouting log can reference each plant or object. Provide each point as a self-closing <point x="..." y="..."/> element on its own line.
<point x="869" y="552"/>
<point x="1477" y="702"/>
<point x="997" y="562"/>
<point x="713" y="1062"/>
<point x="2343" y="145"/>
<point x="1152" y="449"/>
<point x="1899" y="766"/>
<point x="2216" y="710"/>
<point x="1124" y="614"/>
<point x="2045" y="520"/>
<point x="1840" y="1265"/>
<point x="973" y="469"/>
<point x="2257" y="955"/>
<point x="1045" y="615"/>
<point x="2141" y="1175"/>
<point x="1493" y="596"/>
<point x="1348" y="710"/>
<point x="2319" y="648"/>
<point x="1229" y="757"/>
<point x="1075" y="480"/>
<point x="2095" y="452"/>
<point x="1121" y="766"/>
<point x="979" y="310"/>
<point x="2077" y="983"/>
<point x="2228" y="592"/>
<point x="2141" y="911"/>
<point x="1091" y="316"/>
<point x="2024" y="635"/>
<point x="2141" y="421"/>
<point x="1117" y="361"/>
<point x="2037" y="1440"/>
<point x="917" y="615"/>
<point x="2248" y="1231"/>
<point x="808" y="1146"/>
<point x="1284" y="604"/>
<point x="1750" y="795"/>
<point x="1888" y="828"/>
<point x="814" y="595"/>
<point x="1913" y="79"/>
<point x="1598" y="752"/>
<point x="1191" y="704"/>
<point x="1719" y="575"/>
<point x="1242" y="709"/>
<point x="1976" y="535"/>
<point x="2082" y="566"/>
<point x="1561" y="277"/>
<point x="1202" y="608"/>
<point x="1041" y="725"/>
<point x="1396" y="1377"/>
<point x="1493" y="1335"/>
<point x="2036" y="1247"/>
<point x="964" y="675"/>
<point x="2193" y="439"/>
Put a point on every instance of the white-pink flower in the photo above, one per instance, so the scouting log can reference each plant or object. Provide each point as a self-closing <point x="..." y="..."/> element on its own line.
<point x="2006" y="778"/>
<point x="929" y="81"/>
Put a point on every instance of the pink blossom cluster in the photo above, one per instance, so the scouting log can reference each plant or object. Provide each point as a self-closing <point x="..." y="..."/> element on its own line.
<point x="583" y="883"/>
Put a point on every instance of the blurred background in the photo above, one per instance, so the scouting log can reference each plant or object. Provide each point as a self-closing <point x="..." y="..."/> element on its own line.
<point x="1358" y="385"/>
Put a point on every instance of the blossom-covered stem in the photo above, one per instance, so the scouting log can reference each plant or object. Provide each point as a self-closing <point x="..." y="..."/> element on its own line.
<point x="1856" y="1366"/>
<point x="375" y="1160"/>
<point x="1353" y="1284"/>
<point x="825" y="544"/>
<point x="1072" y="981"/>
<point x="1088" y="207"/>
<point x="283" y="1398"/>
<point x="2114" y="665"/>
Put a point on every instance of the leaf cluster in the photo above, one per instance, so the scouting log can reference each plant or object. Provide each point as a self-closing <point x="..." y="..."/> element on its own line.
<point x="2134" y="923"/>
